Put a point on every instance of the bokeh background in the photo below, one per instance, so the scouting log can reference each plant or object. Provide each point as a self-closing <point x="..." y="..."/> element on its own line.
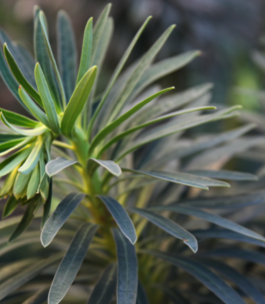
<point x="226" y="31"/>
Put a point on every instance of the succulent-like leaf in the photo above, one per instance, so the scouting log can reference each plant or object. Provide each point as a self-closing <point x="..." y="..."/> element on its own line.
<point x="57" y="165"/>
<point x="127" y="280"/>
<point x="121" y="217"/>
<point x="59" y="217"/>
<point x="71" y="263"/>
<point x="109" y="165"/>
<point x="169" y="226"/>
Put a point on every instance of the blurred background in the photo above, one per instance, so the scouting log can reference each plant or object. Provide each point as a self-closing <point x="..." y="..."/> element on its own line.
<point x="226" y="31"/>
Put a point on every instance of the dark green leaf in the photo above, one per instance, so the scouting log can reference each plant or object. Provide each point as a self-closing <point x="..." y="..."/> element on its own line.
<point x="26" y="219"/>
<point x="71" y="263"/>
<point x="169" y="226"/>
<point x="67" y="53"/>
<point x="212" y="218"/>
<point x="104" y="289"/>
<point x="127" y="280"/>
<point x="18" y="119"/>
<point x="57" y="165"/>
<point x="141" y="295"/>
<point x="121" y="217"/>
<point x="39" y="298"/>
<point x="47" y="205"/>
<point x="20" y="77"/>
<point x="47" y="99"/>
<point x="207" y="277"/>
<point x="10" y="206"/>
<point x="59" y="217"/>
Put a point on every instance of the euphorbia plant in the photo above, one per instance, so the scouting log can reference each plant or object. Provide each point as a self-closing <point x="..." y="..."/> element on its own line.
<point x="79" y="157"/>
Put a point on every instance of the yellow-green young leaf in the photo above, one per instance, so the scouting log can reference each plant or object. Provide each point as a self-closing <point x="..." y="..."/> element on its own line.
<point x="33" y="108"/>
<point x="21" y="183"/>
<point x="47" y="100"/>
<point x="86" y="50"/>
<point x="33" y="158"/>
<point x="33" y="182"/>
<point x="9" y="182"/>
<point x="20" y="77"/>
<point x="12" y="145"/>
<point x="10" y="206"/>
<point x="77" y="101"/>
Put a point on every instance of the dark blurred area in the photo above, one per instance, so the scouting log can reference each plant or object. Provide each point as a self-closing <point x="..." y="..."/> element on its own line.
<point x="226" y="31"/>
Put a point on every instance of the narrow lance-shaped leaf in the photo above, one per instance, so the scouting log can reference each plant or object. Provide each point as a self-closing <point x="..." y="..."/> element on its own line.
<point x="20" y="77"/>
<point x="127" y="280"/>
<point x="71" y="263"/>
<point x="117" y="72"/>
<point x="215" y="219"/>
<point x="33" y="157"/>
<point x="10" y="206"/>
<point x="109" y="165"/>
<point x="105" y="287"/>
<point x="206" y="276"/>
<point x="86" y="50"/>
<point x="67" y="53"/>
<point x="49" y="49"/>
<point x="13" y="145"/>
<point x="18" y="119"/>
<point x="78" y="100"/>
<point x="241" y="281"/>
<point x="33" y="182"/>
<point x="137" y="73"/>
<point x="47" y="100"/>
<point x="33" y="108"/>
<point x="112" y="126"/>
<point x="57" y="165"/>
<point x="169" y="226"/>
<point x="38" y="298"/>
<point x="20" y="183"/>
<point x="121" y="217"/>
<point x="59" y="217"/>
<point x="47" y="205"/>
<point x="26" y="219"/>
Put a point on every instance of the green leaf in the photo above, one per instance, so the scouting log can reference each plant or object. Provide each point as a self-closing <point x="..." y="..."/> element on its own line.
<point x="10" y="206"/>
<point x="163" y="68"/>
<point x="109" y="165"/>
<point x="117" y="72"/>
<point x="13" y="161"/>
<point x="71" y="263"/>
<point x="206" y="276"/>
<point x="127" y="280"/>
<point x="33" y="108"/>
<point x="121" y="217"/>
<point x="242" y="282"/>
<point x="169" y="226"/>
<point x="57" y="165"/>
<point x="8" y="183"/>
<point x="77" y="101"/>
<point x="105" y="287"/>
<point x="148" y="123"/>
<point x="212" y="218"/>
<point x="34" y="181"/>
<point x="50" y="53"/>
<point x="18" y="119"/>
<point x="10" y="146"/>
<point x="228" y="201"/>
<point x="47" y="205"/>
<point x="67" y="53"/>
<point x="26" y="132"/>
<point x="173" y="127"/>
<point x="26" y="275"/>
<point x="113" y="125"/>
<point x="5" y="138"/>
<point x="225" y="174"/>
<point x="20" y="77"/>
<point x="182" y="178"/>
<point x="26" y="219"/>
<point x="141" y="67"/>
<point x="141" y="295"/>
<point x="86" y="50"/>
<point x="21" y="56"/>
<point x="47" y="99"/>
<point x="33" y="157"/>
<point x="59" y="217"/>
<point x="99" y="30"/>
<point x="20" y="183"/>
